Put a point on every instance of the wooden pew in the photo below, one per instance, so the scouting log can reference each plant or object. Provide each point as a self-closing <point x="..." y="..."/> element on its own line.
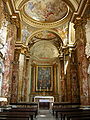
<point x="84" y="112"/>
<point x="17" y="115"/>
<point x="57" y="105"/>
<point x="23" y="110"/>
<point x="78" y="115"/>
<point x="33" y="106"/>
<point x="81" y="118"/>
<point x="25" y="104"/>
<point x="61" y="111"/>
<point x="5" y="118"/>
<point x="71" y="112"/>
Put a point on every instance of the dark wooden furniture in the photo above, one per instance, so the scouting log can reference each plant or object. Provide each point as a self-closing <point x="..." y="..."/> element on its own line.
<point x="59" y="105"/>
<point x="14" y="115"/>
<point x="70" y="113"/>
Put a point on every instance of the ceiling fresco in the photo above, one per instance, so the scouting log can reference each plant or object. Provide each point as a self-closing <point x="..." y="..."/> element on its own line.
<point x="46" y="10"/>
<point x="63" y="31"/>
<point x="28" y="30"/>
<point x="45" y="35"/>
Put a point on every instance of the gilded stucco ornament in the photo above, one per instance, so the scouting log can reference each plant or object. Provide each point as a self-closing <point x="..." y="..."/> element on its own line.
<point x="87" y="49"/>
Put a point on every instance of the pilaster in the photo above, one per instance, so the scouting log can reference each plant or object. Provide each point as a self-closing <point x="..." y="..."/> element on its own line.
<point x="15" y="77"/>
<point x="80" y="36"/>
<point x="74" y="86"/>
<point x="62" y="79"/>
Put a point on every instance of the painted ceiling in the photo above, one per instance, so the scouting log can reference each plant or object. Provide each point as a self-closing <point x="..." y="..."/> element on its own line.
<point x="41" y="21"/>
<point x="46" y="10"/>
<point x="45" y="35"/>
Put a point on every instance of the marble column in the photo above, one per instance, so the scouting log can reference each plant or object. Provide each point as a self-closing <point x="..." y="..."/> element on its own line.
<point x="15" y="77"/>
<point x="68" y="79"/>
<point x="25" y="81"/>
<point x="73" y="78"/>
<point x="80" y="36"/>
<point x="21" y="76"/>
<point x="9" y="56"/>
<point x="87" y="50"/>
<point x="62" y="79"/>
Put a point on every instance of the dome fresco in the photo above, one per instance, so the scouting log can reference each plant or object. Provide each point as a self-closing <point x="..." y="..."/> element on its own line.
<point x="44" y="50"/>
<point x="46" y="10"/>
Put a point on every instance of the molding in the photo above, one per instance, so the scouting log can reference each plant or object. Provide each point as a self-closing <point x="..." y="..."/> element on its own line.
<point x="40" y="30"/>
<point x="14" y="14"/>
<point x="38" y="24"/>
<point x="21" y="47"/>
<point x="20" y="4"/>
<point x="81" y="10"/>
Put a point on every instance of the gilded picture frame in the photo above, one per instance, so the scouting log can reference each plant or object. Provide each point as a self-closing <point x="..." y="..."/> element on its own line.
<point x="44" y="78"/>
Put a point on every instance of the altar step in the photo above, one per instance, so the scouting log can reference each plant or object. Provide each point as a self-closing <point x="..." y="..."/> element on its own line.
<point x="45" y="115"/>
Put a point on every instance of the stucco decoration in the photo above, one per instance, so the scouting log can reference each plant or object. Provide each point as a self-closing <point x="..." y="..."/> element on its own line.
<point x="44" y="50"/>
<point x="63" y="32"/>
<point x="46" y="10"/>
<point x="87" y="48"/>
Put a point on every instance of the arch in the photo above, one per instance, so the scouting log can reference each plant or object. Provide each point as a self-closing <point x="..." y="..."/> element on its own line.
<point x="49" y="30"/>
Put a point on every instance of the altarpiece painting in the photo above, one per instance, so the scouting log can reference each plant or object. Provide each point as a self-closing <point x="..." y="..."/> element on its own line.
<point x="44" y="78"/>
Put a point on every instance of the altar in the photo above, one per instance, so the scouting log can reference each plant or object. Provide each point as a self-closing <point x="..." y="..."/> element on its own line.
<point x="44" y="101"/>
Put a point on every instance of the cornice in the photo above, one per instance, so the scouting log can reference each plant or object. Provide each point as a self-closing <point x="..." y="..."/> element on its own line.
<point x="40" y="30"/>
<point x="21" y="47"/>
<point x="81" y="10"/>
<point x="37" y="24"/>
<point x="14" y="14"/>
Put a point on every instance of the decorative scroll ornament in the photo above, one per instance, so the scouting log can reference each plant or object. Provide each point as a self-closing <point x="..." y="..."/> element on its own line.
<point x="87" y="49"/>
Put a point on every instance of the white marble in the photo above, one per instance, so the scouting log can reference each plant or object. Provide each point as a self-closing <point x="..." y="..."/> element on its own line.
<point x="45" y="115"/>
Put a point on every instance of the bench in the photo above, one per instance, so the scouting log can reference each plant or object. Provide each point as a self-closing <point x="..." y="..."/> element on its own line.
<point x="77" y="114"/>
<point x="22" y="109"/>
<point x="5" y="118"/>
<point x="68" y="112"/>
<point x="57" y="105"/>
<point x="25" y="104"/>
<point x="18" y="115"/>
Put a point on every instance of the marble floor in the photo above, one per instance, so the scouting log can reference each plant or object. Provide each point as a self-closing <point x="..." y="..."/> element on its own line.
<point x="45" y="115"/>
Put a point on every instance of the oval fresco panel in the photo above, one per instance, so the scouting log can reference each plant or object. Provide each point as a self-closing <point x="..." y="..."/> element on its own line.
<point x="46" y="10"/>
